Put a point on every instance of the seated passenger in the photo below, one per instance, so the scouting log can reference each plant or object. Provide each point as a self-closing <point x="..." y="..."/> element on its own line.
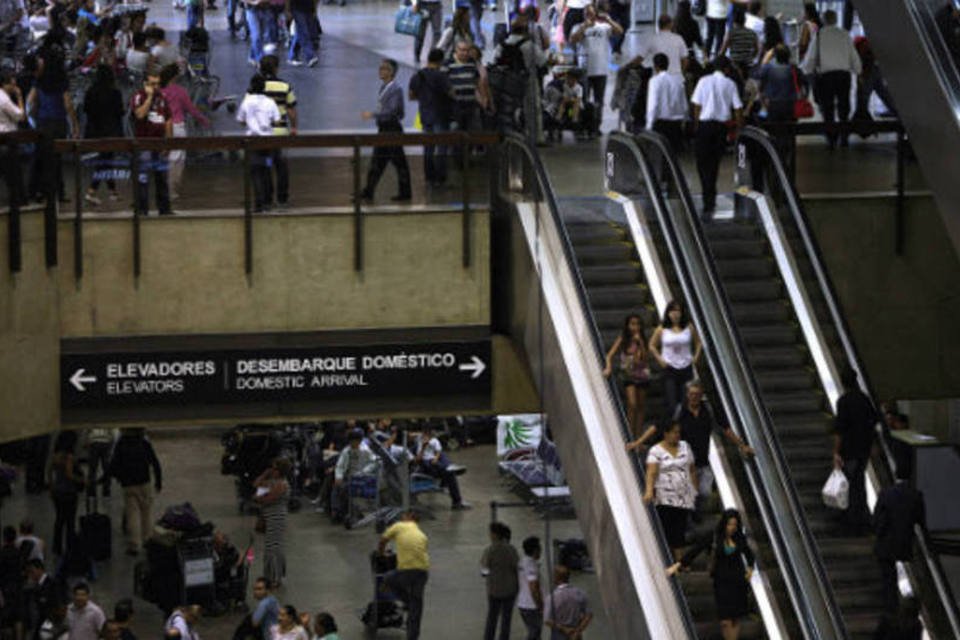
<point x="563" y="104"/>
<point x="432" y="461"/>
<point x="353" y="461"/>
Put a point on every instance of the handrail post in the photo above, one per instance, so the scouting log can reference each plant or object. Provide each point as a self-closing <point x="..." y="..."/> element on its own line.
<point x="135" y="181"/>
<point x="14" y="187"/>
<point x="465" y="195"/>
<point x="247" y="213"/>
<point x="900" y="204"/>
<point x="357" y="213"/>
<point x="78" y="218"/>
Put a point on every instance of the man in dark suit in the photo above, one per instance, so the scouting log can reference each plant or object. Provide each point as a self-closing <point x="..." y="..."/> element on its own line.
<point x="898" y="509"/>
<point x="855" y="430"/>
<point x="45" y="594"/>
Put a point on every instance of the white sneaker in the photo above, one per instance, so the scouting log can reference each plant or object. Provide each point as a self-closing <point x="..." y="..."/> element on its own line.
<point x="314" y="61"/>
<point x="296" y="63"/>
<point x="92" y="199"/>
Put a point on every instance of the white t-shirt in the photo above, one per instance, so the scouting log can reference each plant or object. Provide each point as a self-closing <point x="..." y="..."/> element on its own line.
<point x="716" y="94"/>
<point x="85" y="624"/>
<point x="430" y="450"/>
<point x="297" y="633"/>
<point x="673" y="487"/>
<point x="754" y="23"/>
<point x="718" y="8"/>
<point x="577" y="4"/>
<point x="258" y="113"/>
<point x="10" y="115"/>
<point x="528" y="570"/>
<point x="596" y="43"/>
<point x="137" y="60"/>
<point x="669" y="44"/>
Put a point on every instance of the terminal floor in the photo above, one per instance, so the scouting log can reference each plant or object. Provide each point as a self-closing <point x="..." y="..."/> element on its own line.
<point x="327" y="565"/>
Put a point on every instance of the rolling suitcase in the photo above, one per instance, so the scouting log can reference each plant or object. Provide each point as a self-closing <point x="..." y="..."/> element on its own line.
<point x="95" y="532"/>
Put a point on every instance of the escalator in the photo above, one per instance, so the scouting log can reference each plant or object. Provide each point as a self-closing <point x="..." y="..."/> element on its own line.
<point x="565" y="274"/>
<point x="917" y="61"/>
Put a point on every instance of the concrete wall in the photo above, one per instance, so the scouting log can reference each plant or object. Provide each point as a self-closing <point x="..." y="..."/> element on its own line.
<point x="29" y="339"/>
<point x="192" y="278"/>
<point x="902" y="310"/>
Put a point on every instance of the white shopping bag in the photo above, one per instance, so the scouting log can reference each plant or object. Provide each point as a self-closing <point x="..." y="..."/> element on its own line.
<point x="836" y="491"/>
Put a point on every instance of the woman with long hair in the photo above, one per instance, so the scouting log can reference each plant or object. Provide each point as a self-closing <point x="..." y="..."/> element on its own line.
<point x="273" y="491"/>
<point x="811" y="23"/>
<point x="731" y="567"/>
<point x="288" y="625"/>
<point x="686" y="26"/>
<point x="676" y="346"/>
<point x="632" y="370"/>
<point x="458" y="31"/>
<point x="51" y="106"/>
<point x="772" y="36"/>
<point x="103" y="105"/>
<point x="65" y="482"/>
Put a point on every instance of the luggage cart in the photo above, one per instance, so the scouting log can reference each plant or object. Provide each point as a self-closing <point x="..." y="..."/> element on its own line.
<point x="198" y="584"/>
<point x="384" y="611"/>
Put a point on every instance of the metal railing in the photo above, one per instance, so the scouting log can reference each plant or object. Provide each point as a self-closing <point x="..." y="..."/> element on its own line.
<point x="535" y="182"/>
<point x="777" y="185"/>
<point x="247" y="146"/>
<point x="793" y="544"/>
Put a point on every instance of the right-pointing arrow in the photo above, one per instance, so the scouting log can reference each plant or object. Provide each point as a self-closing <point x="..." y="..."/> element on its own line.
<point x="78" y="379"/>
<point x="476" y="365"/>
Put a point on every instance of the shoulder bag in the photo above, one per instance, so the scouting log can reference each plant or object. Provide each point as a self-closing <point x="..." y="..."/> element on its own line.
<point x="802" y="107"/>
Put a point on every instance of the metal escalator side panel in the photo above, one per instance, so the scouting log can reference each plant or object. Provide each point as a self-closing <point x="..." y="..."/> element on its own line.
<point x="605" y="490"/>
<point x="792" y="541"/>
<point x="926" y="89"/>
<point x="726" y="486"/>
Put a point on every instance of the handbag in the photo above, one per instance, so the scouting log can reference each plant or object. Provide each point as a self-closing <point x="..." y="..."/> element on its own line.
<point x="836" y="491"/>
<point x="408" y="22"/>
<point x="802" y="107"/>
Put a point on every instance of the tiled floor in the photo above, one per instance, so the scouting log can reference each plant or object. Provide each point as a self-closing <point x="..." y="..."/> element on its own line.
<point x="327" y="565"/>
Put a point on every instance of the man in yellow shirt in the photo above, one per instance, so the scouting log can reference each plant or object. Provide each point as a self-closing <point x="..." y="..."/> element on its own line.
<point x="409" y="580"/>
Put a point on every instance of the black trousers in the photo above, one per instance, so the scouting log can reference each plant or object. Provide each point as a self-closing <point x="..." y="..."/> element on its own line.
<point x="716" y="29"/>
<point x="50" y="163"/>
<point x="709" y="146"/>
<point x="409" y="585"/>
<point x="388" y="155"/>
<point x="433" y="14"/>
<point x="502" y="609"/>
<point x="572" y="18"/>
<point x="674" y="381"/>
<point x="64" y="522"/>
<point x="888" y="583"/>
<point x="620" y="12"/>
<point x="834" y="98"/>
<point x="857" y="516"/>
<point x="281" y="171"/>
<point x="672" y="130"/>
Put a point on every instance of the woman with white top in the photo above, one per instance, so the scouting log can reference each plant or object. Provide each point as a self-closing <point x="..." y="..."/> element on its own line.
<point x="573" y="16"/>
<point x="676" y="346"/>
<point x="717" y="11"/>
<point x="671" y="482"/>
<point x="288" y="625"/>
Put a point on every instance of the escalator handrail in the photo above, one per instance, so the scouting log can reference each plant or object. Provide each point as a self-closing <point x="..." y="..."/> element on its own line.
<point x="943" y="64"/>
<point x="801" y="589"/>
<point x="801" y="221"/>
<point x="547" y="192"/>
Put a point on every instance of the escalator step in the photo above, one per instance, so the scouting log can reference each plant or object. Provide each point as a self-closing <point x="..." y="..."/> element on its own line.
<point x="740" y="291"/>
<point x="764" y="357"/>
<point x="719" y="231"/>
<point x="606" y="296"/>
<point x="746" y="268"/>
<point x="587" y="232"/>
<point x="733" y="249"/>
<point x="754" y="313"/>
<point x="787" y="380"/>
<point x="610" y="253"/>
<point x="613" y="318"/>
<point x="777" y="334"/>
<point x="787" y="403"/>
<point x="610" y="274"/>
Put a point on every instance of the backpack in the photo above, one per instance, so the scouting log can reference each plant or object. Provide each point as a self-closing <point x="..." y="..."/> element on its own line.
<point x="511" y="56"/>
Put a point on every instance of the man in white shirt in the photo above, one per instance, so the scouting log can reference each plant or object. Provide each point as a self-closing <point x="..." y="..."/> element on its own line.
<point x="11" y="103"/>
<point x="715" y="102"/>
<point x="832" y="57"/>
<point x="665" y="41"/>
<point x="84" y="617"/>
<point x="666" y="103"/>
<point x="432" y="461"/>
<point x="182" y="621"/>
<point x="595" y="32"/>
<point x="259" y="112"/>
<point x="530" y="597"/>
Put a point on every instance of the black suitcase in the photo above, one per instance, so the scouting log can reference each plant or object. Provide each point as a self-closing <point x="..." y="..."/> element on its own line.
<point x="96" y="532"/>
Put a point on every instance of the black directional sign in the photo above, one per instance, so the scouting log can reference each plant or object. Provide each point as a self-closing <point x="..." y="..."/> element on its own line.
<point x="124" y="380"/>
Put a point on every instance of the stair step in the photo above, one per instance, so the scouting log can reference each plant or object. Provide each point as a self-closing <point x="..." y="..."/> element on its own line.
<point x="762" y="313"/>
<point x="607" y="253"/>
<point x="746" y="268"/>
<point x="752" y="291"/>
<point x="610" y="274"/>
<point x="787" y="380"/>
<point x="774" y="335"/>
<point x="618" y="296"/>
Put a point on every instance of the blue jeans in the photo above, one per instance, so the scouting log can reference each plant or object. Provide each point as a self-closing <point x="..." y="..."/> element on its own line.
<point x="476" y="24"/>
<point x="262" y="27"/>
<point x="435" y="157"/>
<point x="194" y="13"/>
<point x="232" y="6"/>
<point x="305" y="36"/>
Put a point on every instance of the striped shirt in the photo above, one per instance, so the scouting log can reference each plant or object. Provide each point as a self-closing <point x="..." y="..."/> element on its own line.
<point x="281" y="92"/>
<point x="743" y="45"/>
<point x="464" y="77"/>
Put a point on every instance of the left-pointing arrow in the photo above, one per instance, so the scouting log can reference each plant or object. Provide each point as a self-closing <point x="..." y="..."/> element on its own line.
<point x="78" y="379"/>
